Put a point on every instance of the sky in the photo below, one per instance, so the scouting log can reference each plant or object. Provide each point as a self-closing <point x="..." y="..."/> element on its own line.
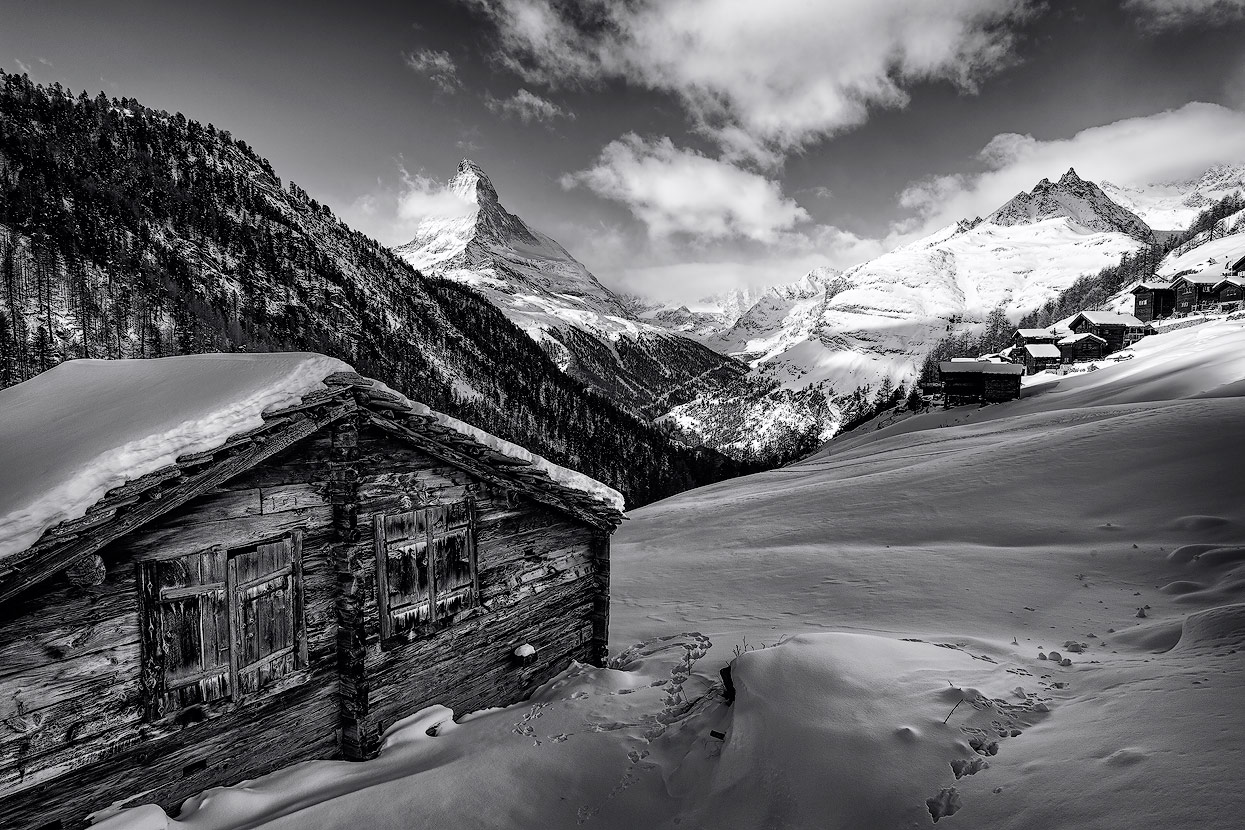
<point x="677" y="147"/>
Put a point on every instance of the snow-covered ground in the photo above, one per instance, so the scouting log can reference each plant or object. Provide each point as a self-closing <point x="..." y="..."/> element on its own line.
<point x="921" y="576"/>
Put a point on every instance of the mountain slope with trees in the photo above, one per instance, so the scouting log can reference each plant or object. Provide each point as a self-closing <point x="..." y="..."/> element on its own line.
<point x="131" y="232"/>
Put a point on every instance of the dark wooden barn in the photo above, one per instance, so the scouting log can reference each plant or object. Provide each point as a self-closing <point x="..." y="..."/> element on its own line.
<point x="285" y="594"/>
<point x="1197" y="292"/>
<point x="1028" y="337"/>
<point x="1077" y="347"/>
<point x="1153" y="301"/>
<point x="1038" y="357"/>
<point x="1230" y="293"/>
<point x="974" y="381"/>
<point x="1117" y="330"/>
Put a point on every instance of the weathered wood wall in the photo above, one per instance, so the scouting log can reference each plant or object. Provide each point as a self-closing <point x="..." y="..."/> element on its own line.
<point x="543" y="580"/>
<point x="74" y="737"/>
<point x="72" y="729"/>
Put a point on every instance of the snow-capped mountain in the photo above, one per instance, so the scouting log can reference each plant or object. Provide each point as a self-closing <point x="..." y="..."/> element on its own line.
<point x="1174" y="205"/>
<point x="588" y="330"/>
<point x="1075" y="199"/>
<point x="838" y="332"/>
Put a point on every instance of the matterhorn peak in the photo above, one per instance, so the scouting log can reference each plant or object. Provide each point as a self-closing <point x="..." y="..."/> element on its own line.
<point x="473" y="184"/>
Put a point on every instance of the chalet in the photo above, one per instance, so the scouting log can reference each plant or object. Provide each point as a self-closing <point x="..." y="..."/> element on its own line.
<point x="979" y="382"/>
<point x="1236" y="267"/>
<point x="213" y="566"/>
<point x="1077" y="347"/>
<point x="1118" y="330"/>
<point x="1153" y="300"/>
<point x="1230" y="293"/>
<point x="1038" y="357"/>
<point x="1028" y="337"/>
<point x="1198" y="291"/>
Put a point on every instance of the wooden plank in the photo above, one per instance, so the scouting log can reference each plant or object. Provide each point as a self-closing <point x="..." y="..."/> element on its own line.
<point x="380" y="541"/>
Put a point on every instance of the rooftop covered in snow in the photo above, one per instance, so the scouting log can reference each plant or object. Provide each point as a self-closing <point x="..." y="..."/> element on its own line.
<point x="1110" y="318"/>
<point x="983" y="366"/>
<point x="76" y="433"/>
<point x="1042" y="350"/>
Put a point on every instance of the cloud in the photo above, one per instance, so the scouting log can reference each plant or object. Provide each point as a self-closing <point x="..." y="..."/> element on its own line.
<point x="527" y="107"/>
<point x="392" y="215"/>
<point x="437" y="67"/>
<point x="25" y="67"/>
<point x="762" y="79"/>
<point x="1157" y="15"/>
<point x="676" y="191"/>
<point x="1168" y="146"/>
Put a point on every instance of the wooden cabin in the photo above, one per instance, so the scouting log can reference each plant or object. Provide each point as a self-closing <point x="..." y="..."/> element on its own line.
<point x="286" y="592"/>
<point x="1117" y="330"/>
<point x="1236" y="267"/>
<point x="1029" y="337"/>
<point x="971" y="381"/>
<point x="1038" y="357"/>
<point x="1197" y="292"/>
<point x="1078" y="347"/>
<point x="1153" y="300"/>
<point x="1231" y="293"/>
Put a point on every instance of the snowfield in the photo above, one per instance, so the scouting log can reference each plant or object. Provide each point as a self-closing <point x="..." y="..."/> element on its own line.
<point x="1028" y="616"/>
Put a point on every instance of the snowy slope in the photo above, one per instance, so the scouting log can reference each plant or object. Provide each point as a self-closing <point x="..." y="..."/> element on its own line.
<point x="923" y="577"/>
<point x="1174" y="205"/>
<point x="585" y="327"/>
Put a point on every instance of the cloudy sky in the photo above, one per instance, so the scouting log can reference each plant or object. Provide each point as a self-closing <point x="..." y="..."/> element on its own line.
<point x="678" y="147"/>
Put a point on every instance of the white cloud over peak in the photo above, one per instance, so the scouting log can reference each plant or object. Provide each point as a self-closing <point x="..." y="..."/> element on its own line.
<point x="761" y="78"/>
<point x="1177" y="14"/>
<point x="391" y="215"/>
<point x="675" y="191"/>
<point x="1168" y="146"/>
<point x="527" y="107"/>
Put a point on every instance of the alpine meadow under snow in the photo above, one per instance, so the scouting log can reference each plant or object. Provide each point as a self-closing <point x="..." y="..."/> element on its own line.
<point x="1028" y="615"/>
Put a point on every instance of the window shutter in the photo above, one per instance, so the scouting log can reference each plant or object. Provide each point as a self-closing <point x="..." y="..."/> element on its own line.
<point x="425" y="565"/>
<point x="454" y="561"/>
<point x="185" y="631"/>
<point x="403" y="571"/>
<point x="270" y="640"/>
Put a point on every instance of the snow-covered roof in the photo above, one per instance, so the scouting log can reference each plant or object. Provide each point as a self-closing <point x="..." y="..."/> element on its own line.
<point x="1207" y="276"/>
<point x="85" y="427"/>
<point x="1077" y="338"/>
<point x="1110" y="318"/>
<point x="1152" y="285"/>
<point x="1034" y="333"/>
<point x="1042" y="350"/>
<point x="983" y="366"/>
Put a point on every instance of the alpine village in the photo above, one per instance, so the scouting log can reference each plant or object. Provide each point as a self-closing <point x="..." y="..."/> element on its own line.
<point x="303" y="529"/>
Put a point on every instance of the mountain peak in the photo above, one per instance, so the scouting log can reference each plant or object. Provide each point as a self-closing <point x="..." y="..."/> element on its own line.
<point x="472" y="183"/>
<point x="1075" y="199"/>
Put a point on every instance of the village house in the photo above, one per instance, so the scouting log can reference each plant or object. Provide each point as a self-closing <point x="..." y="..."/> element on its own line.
<point x="977" y="381"/>
<point x="1029" y="337"/>
<point x="1078" y="347"/>
<point x="218" y="565"/>
<point x="1153" y="300"/>
<point x="1197" y="292"/>
<point x="1116" y="330"/>
<point x="1038" y="357"/>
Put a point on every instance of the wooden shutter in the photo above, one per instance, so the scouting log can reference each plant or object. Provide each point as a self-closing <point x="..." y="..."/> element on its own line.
<point x="425" y="565"/>
<point x="403" y="571"/>
<point x="453" y="555"/>
<point x="266" y="586"/>
<point x="185" y="631"/>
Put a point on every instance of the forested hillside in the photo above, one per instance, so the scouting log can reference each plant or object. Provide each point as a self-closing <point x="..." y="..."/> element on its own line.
<point x="130" y="232"/>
